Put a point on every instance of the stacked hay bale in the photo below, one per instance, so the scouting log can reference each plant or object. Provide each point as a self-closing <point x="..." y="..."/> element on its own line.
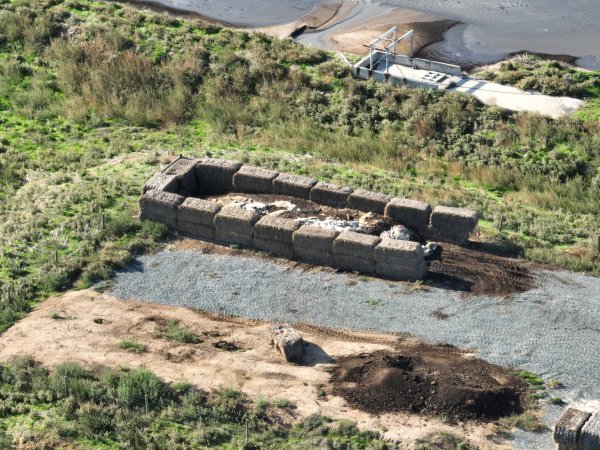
<point x="567" y="431"/>
<point x="161" y="207"/>
<point x="254" y="180"/>
<point x="314" y="245"/>
<point x="368" y="201"/>
<point x="235" y="225"/>
<point x="400" y="260"/>
<point x="293" y="185"/>
<point x="453" y="225"/>
<point x="195" y="218"/>
<point x="590" y="433"/>
<point x="412" y="213"/>
<point x="330" y="195"/>
<point x="216" y="175"/>
<point x="274" y="233"/>
<point x="355" y="252"/>
<point x="162" y="182"/>
<point x="185" y="171"/>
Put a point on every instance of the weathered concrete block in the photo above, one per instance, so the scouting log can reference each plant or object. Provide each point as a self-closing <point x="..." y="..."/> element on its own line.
<point x="294" y="185"/>
<point x="330" y="194"/>
<point x="195" y="218"/>
<point x="368" y="201"/>
<point x="235" y="225"/>
<point x="216" y="175"/>
<point x="355" y="252"/>
<point x="568" y="428"/>
<point x="254" y="180"/>
<point x="185" y="170"/>
<point x="160" y="206"/>
<point x="400" y="260"/>
<point x="452" y="225"/>
<point x="162" y="182"/>
<point x="589" y="437"/>
<point x="412" y="213"/>
<point x="314" y="245"/>
<point x="274" y="235"/>
<point x="288" y="342"/>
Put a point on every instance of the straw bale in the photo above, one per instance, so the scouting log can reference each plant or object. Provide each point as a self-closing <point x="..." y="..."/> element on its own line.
<point x="368" y="201"/>
<point x="274" y="235"/>
<point x="401" y="260"/>
<point x="412" y="213"/>
<point x="254" y="180"/>
<point x="162" y="182"/>
<point x="160" y="206"/>
<point x="216" y="175"/>
<point x="589" y="438"/>
<point x="330" y="194"/>
<point x="185" y="170"/>
<point x="195" y="218"/>
<point x="314" y="244"/>
<point x="235" y="225"/>
<point x="452" y="225"/>
<point x="568" y="428"/>
<point x="355" y="251"/>
<point x="294" y="185"/>
<point x="287" y="341"/>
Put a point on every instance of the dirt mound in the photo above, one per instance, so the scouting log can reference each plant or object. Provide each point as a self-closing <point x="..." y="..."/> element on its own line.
<point x="431" y="380"/>
<point x="477" y="272"/>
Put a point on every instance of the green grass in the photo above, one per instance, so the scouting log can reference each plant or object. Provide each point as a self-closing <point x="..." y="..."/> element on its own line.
<point x="132" y="346"/>
<point x="177" y="332"/>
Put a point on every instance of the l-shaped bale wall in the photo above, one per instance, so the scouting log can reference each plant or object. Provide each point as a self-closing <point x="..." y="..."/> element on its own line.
<point x="169" y="198"/>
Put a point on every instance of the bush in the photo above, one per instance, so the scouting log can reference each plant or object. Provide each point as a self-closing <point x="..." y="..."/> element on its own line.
<point x="140" y="388"/>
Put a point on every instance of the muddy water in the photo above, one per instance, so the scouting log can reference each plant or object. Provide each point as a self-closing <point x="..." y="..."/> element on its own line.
<point x="490" y="29"/>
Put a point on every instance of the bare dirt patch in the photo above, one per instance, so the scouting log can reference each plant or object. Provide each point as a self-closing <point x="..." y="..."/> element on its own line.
<point x="431" y="380"/>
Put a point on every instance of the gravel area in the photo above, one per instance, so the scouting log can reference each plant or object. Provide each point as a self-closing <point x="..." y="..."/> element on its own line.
<point x="552" y="330"/>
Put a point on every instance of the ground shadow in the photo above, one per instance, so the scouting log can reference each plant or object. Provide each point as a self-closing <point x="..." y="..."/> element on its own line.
<point x="313" y="355"/>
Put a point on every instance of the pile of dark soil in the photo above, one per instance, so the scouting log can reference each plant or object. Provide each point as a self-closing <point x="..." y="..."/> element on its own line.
<point x="430" y="380"/>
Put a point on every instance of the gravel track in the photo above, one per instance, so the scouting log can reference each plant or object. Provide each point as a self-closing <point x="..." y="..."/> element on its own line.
<point x="552" y="329"/>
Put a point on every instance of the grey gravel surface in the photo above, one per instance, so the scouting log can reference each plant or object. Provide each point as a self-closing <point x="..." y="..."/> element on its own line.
<point x="552" y="330"/>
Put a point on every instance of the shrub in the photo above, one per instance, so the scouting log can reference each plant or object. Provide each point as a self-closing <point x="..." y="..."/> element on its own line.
<point x="140" y="388"/>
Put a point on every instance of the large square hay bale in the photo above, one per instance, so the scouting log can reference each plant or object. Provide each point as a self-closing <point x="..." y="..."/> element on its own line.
<point x="589" y="438"/>
<point x="355" y="252"/>
<point x="185" y="170"/>
<point x="400" y="260"/>
<point x="160" y="206"/>
<point x="330" y="194"/>
<point x="368" y="201"/>
<point x="274" y="235"/>
<point x="568" y="428"/>
<point x="453" y="225"/>
<point x="255" y="180"/>
<point x="162" y="182"/>
<point x="195" y="218"/>
<point x="314" y="244"/>
<point x="235" y="225"/>
<point x="412" y="213"/>
<point x="288" y="342"/>
<point x="216" y="175"/>
<point x="293" y="185"/>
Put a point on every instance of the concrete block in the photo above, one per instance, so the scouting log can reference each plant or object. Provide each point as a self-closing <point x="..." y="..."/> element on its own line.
<point x="185" y="170"/>
<point x="330" y="194"/>
<point x="160" y="207"/>
<point x="254" y="180"/>
<point x="453" y="225"/>
<point x="288" y="342"/>
<point x="400" y="260"/>
<point x="568" y="428"/>
<point x="162" y="182"/>
<point x="293" y="185"/>
<point x="216" y="175"/>
<point x="274" y="235"/>
<point x="235" y="225"/>
<point x="195" y="218"/>
<point x="412" y="213"/>
<point x="368" y="201"/>
<point x="355" y="252"/>
<point x="589" y="438"/>
<point x="314" y="245"/>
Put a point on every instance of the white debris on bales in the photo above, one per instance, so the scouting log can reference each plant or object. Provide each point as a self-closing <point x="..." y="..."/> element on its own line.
<point x="332" y="224"/>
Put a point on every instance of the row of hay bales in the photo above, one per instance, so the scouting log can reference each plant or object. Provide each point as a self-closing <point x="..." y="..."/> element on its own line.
<point x="578" y="430"/>
<point x="284" y="237"/>
<point x="194" y="177"/>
